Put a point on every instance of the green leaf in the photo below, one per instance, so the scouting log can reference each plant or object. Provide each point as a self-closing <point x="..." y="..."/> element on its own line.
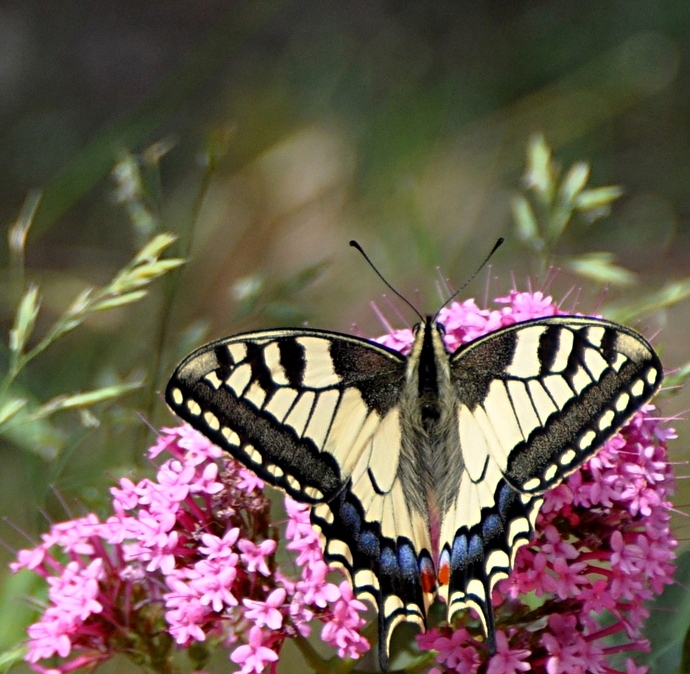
<point x="88" y="419"/>
<point x="151" y="155"/>
<point x="38" y="436"/>
<point x="157" y="268"/>
<point x="600" y="267"/>
<point x="120" y="300"/>
<point x="668" y="635"/>
<point x="25" y="320"/>
<point x="86" y="399"/>
<point x="141" y="275"/>
<point x="10" y="408"/>
<point x="11" y="657"/>
<point x="89" y="398"/>
<point x="598" y="198"/>
<point x="80" y="302"/>
<point x="526" y="226"/>
<point x="153" y="249"/>
<point x="558" y="221"/>
<point x="15" y="588"/>
<point x="540" y="173"/>
<point x="247" y="288"/>
<point x="127" y="177"/>
<point x="218" y="143"/>
<point x="19" y="230"/>
<point x="669" y="295"/>
<point x="574" y="182"/>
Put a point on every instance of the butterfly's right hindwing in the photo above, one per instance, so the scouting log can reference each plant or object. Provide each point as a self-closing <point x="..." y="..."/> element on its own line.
<point x="535" y="401"/>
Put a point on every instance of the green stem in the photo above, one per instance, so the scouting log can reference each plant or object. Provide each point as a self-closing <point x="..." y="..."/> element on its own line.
<point x="317" y="663"/>
<point x="173" y="281"/>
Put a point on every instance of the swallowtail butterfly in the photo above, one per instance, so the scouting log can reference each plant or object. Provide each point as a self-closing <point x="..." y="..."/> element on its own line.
<point x="425" y="473"/>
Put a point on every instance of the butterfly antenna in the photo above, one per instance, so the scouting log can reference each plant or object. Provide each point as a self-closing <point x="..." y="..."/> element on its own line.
<point x="497" y="245"/>
<point x="354" y="244"/>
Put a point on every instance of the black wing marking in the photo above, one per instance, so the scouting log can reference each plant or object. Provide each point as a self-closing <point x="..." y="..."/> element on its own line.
<point x="536" y="400"/>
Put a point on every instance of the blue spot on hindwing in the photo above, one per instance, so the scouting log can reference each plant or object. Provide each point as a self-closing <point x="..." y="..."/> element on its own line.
<point x="350" y="518"/>
<point x="476" y="551"/>
<point x="492" y="526"/>
<point x="368" y="543"/>
<point x="458" y="557"/>
<point x="408" y="561"/>
<point x="506" y="497"/>
<point x="389" y="561"/>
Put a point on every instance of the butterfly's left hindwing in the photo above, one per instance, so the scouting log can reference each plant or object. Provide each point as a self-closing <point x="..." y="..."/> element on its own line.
<point x="316" y="414"/>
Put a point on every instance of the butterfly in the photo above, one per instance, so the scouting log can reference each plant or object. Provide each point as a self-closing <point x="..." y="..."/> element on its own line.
<point x="425" y="473"/>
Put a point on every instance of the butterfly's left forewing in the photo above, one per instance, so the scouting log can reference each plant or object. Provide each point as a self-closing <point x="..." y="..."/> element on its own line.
<point x="534" y="401"/>
<point x="316" y="414"/>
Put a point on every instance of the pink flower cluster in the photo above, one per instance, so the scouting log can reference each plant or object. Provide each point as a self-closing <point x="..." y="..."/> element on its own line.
<point x="603" y="548"/>
<point x="603" y="545"/>
<point x="465" y="322"/>
<point x="189" y="558"/>
<point x="190" y="555"/>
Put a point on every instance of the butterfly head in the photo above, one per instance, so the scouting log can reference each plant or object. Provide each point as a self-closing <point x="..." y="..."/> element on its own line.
<point x="428" y="362"/>
<point x="429" y="338"/>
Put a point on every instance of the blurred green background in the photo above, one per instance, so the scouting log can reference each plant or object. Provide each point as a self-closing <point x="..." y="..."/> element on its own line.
<point x="267" y="135"/>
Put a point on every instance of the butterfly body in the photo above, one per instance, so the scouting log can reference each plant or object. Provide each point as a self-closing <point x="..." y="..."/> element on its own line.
<point x="425" y="472"/>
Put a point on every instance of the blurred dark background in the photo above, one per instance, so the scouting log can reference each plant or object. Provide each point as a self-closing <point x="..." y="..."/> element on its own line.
<point x="402" y="124"/>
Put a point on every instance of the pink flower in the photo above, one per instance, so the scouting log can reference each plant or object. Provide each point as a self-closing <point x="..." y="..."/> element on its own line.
<point x="456" y="652"/>
<point x="254" y="556"/>
<point x="74" y="536"/>
<point x="186" y="613"/>
<point x="28" y="559"/>
<point x="214" y="580"/>
<point x="220" y="548"/>
<point x="77" y="589"/>
<point x="507" y="660"/>
<point x="266" y="613"/>
<point x="315" y="590"/>
<point x="254" y="656"/>
<point x="343" y="631"/>
<point x="50" y="636"/>
<point x="193" y="540"/>
<point x="106" y="578"/>
<point x="249" y="481"/>
<point x="303" y="539"/>
<point x="175" y="477"/>
<point x="207" y="482"/>
<point x="632" y="668"/>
